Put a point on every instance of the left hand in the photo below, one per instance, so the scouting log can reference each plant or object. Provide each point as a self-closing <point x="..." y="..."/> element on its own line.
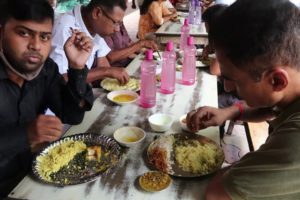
<point x="78" y="49"/>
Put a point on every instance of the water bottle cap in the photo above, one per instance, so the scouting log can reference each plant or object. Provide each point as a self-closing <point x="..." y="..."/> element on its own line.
<point x="149" y="54"/>
<point x="190" y="40"/>
<point x="186" y="22"/>
<point x="169" y="46"/>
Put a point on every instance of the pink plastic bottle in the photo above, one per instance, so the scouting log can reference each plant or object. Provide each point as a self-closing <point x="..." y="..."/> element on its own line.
<point x="185" y="32"/>
<point x="189" y="63"/>
<point x="148" y="81"/>
<point x="168" y="74"/>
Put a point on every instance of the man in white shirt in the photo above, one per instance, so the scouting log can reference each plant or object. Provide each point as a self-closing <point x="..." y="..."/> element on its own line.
<point x="98" y="19"/>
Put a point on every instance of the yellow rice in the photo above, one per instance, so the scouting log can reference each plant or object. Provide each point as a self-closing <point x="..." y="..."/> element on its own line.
<point x="58" y="157"/>
<point x="197" y="158"/>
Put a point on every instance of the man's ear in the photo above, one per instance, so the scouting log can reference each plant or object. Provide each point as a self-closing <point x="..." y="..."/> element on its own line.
<point x="278" y="78"/>
<point x="97" y="12"/>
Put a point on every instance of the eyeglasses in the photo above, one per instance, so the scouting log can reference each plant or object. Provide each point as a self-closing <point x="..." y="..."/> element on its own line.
<point x="115" y="23"/>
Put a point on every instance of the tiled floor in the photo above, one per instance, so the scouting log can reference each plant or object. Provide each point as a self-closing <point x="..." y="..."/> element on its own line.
<point x="131" y="21"/>
<point x="259" y="131"/>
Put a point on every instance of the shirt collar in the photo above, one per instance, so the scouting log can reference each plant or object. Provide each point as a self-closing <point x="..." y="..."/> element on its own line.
<point x="294" y="107"/>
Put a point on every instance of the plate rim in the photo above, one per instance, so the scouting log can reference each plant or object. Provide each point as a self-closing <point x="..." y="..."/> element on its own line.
<point x="36" y="175"/>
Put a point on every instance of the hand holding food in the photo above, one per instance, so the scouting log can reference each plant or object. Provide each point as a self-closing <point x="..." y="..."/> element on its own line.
<point x="120" y="74"/>
<point x="113" y="84"/>
<point x="205" y="117"/>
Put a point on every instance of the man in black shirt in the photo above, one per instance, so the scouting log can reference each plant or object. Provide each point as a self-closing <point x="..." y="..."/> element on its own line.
<point x="30" y="83"/>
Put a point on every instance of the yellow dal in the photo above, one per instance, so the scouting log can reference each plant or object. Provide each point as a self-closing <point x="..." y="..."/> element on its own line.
<point x="123" y="98"/>
<point x="130" y="139"/>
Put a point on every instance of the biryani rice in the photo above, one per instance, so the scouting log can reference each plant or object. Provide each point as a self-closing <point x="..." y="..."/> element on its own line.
<point x="194" y="157"/>
<point x="58" y="157"/>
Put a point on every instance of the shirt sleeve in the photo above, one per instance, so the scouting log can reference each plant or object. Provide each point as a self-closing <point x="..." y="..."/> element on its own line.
<point x="64" y="99"/>
<point x="109" y="41"/>
<point x="60" y="34"/>
<point x="155" y="10"/>
<point x="271" y="172"/>
<point x="102" y="48"/>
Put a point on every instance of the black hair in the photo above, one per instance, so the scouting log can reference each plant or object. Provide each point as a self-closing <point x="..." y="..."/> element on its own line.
<point x="145" y="5"/>
<point x="212" y="12"/>
<point x="108" y="5"/>
<point x="257" y="35"/>
<point x="23" y="10"/>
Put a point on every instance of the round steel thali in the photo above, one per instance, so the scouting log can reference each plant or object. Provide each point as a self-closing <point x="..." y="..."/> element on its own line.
<point x="161" y="154"/>
<point x="74" y="173"/>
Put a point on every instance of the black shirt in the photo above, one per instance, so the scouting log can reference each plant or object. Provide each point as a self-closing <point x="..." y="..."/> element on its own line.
<point x="18" y="106"/>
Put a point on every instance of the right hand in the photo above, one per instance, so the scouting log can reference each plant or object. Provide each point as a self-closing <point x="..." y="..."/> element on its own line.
<point x="150" y="44"/>
<point x="118" y="73"/>
<point x="44" y="128"/>
<point x="78" y="49"/>
<point x="205" y="117"/>
<point x="205" y="53"/>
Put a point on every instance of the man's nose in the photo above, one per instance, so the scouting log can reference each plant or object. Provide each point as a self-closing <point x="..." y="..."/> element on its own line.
<point x="34" y="43"/>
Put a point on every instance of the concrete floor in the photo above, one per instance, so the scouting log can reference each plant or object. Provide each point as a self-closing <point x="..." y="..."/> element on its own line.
<point x="131" y="21"/>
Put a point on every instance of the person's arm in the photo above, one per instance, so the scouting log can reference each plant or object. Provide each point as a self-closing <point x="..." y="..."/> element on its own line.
<point x="99" y="73"/>
<point x="207" y="116"/>
<point x="102" y="62"/>
<point x="160" y="14"/>
<point x="120" y="54"/>
<point x="69" y="100"/>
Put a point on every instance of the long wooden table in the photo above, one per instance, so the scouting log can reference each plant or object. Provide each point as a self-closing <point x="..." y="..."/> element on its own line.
<point x="121" y="183"/>
<point x="171" y="31"/>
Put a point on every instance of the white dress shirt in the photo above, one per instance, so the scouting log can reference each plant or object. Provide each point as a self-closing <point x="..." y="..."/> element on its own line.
<point x="62" y="31"/>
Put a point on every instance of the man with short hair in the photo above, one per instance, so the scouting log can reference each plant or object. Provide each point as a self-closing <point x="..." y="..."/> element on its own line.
<point x="30" y="83"/>
<point x="97" y="19"/>
<point x="257" y="44"/>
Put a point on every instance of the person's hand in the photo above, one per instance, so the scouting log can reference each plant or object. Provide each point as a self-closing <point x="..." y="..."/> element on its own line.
<point x="174" y="16"/>
<point x="205" y="117"/>
<point x="118" y="73"/>
<point x="78" y="49"/>
<point x="150" y="44"/>
<point x="44" y="128"/>
<point x="205" y="53"/>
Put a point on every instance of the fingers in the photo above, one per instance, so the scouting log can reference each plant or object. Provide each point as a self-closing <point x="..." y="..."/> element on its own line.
<point x="79" y="40"/>
<point x="150" y="44"/>
<point x="124" y="78"/>
<point x="199" y="119"/>
<point x="120" y="74"/>
<point x="83" y="42"/>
